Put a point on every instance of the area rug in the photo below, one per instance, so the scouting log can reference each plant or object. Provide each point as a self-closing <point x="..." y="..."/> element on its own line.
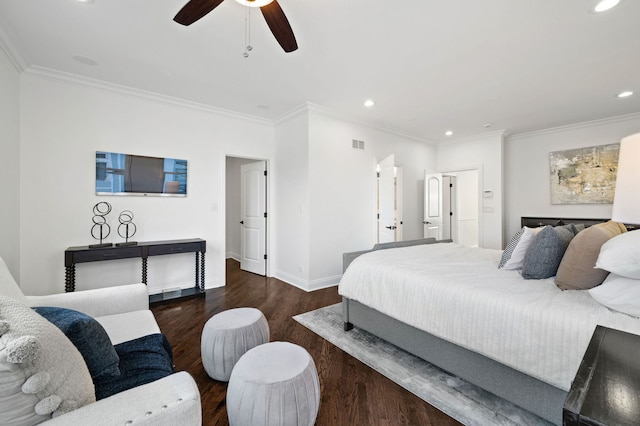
<point x="463" y="401"/>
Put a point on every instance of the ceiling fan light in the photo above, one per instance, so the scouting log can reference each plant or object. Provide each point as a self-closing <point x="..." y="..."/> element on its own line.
<point x="254" y="3"/>
<point x="605" y="5"/>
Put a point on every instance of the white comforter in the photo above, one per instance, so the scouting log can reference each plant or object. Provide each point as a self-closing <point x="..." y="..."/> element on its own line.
<point x="458" y="293"/>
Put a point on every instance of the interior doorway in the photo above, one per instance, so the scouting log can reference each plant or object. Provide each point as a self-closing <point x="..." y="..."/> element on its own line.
<point x="389" y="201"/>
<point x="246" y="213"/>
<point x="452" y="208"/>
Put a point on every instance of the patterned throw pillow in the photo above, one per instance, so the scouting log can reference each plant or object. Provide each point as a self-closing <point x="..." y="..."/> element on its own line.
<point x="517" y="257"/>
<point x="41" y="373"/>
<point x="508" y="251"/>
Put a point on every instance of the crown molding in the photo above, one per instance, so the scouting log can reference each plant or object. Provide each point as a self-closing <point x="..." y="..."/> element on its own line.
<point x="12" y="53"/>
<point x="495" y="133"/>
<point x="55" y="75"/>
<point x="576" y="126"/>
<point x="312" y="107"/>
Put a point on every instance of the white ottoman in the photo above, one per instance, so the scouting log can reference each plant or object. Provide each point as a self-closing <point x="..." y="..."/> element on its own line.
<point x="274" y="384"/>
<point x="227" y="336"/>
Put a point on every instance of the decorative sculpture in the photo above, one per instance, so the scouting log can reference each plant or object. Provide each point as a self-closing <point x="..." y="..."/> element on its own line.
<point x="100" y="211"/>
<point x="127" y="228"/>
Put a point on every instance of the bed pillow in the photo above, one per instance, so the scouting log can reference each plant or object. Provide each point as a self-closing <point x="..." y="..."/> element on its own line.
<point x="545" y="252"/>
<point x="577" y="270"/>
<point x="88" y="336"/>
<point x="508" y="251"/>
<point x="517" y="255"/>
<point x="41" y="373"/>
<point x="621" y="255"/>
<point x="619" y="293"/>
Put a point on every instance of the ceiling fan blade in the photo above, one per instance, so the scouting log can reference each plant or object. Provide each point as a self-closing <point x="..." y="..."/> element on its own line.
<point x="279" y="26"/>
<point x="194" y="10"/>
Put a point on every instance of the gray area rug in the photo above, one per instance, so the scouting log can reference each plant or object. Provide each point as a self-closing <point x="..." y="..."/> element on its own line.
<point x="461" y="400"/>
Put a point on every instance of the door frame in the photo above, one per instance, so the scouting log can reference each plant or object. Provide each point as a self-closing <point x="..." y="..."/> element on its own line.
<point x="398" y="198"/>
<point x="478" y="168"/>
<point x="269" y="220"/>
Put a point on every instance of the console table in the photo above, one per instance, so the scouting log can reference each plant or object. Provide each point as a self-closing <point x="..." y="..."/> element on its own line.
<point x="143" y="250"/>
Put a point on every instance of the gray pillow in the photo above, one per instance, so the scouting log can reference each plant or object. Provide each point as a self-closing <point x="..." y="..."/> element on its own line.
<point x="545" y="252"/>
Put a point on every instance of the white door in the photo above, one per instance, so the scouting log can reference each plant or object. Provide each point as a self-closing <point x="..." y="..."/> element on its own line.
<point x="253" y="212"/>
<point x="449" y="218"/>
<point x="386" y="201"/>
<point x="433" y="205"/>
<point x="468" y="211"/>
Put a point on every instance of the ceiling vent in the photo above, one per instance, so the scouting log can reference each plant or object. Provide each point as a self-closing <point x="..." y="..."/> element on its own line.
<point x="356" y="144"/>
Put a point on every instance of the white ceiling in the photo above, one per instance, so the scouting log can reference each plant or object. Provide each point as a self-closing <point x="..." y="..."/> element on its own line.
<point x="430" y="66"/>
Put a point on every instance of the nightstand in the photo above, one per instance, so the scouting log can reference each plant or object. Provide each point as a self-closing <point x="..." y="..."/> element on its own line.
<point x="606" y="389"/>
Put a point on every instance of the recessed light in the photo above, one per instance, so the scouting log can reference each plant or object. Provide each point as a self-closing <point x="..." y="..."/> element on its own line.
<point x="369" y="103"/>
<point x="604" y="5"/>
<point x="448" y="133"/>
<point x="85" y="1"/>
<point x="624" y="94"/>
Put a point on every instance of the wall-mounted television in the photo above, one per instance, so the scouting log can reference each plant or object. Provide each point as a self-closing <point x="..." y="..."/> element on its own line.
<point x="127" y="174"/>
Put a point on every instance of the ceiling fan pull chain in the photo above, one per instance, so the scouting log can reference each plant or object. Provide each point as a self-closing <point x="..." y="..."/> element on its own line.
<point x="247" y="33"/>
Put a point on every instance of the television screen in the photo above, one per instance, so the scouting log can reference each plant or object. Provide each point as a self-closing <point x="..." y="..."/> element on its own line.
<point x="123" y="174"/>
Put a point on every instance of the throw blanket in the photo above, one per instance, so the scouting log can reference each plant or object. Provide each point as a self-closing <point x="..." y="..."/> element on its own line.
<point x="142" y="361"/>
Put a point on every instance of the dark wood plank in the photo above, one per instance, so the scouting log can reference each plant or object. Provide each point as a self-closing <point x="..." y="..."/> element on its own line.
<point x="352" y="393"/>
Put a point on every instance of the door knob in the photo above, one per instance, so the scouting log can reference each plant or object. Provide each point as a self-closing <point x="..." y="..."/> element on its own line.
<point x="390" y="227"/>
<point x="242" y="222"/>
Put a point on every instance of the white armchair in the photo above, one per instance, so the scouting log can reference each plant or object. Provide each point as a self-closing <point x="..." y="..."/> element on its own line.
<point x="124" y="313"/>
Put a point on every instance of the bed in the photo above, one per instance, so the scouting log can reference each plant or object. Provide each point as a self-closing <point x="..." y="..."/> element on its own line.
<point x="522" y="340"/>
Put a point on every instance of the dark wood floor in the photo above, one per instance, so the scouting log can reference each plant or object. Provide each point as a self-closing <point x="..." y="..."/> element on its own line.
<point x="352" y="393"/>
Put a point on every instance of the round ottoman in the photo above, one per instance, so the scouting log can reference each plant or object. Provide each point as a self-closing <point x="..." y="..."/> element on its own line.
<point x="274" y="384"/>
<point x="227" y="336"/>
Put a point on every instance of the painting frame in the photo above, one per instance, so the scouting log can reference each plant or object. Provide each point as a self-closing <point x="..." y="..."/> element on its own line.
<point x="584" y="175"/>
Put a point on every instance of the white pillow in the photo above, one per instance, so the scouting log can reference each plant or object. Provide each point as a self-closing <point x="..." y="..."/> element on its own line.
<point x="515" y="261"/>
<point x="621" y="255"/>
<point x="619" y="293"/>
<point x="41" y="373"/>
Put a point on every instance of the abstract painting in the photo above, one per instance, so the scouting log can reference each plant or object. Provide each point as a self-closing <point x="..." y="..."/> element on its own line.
<point x="584" y="175"/>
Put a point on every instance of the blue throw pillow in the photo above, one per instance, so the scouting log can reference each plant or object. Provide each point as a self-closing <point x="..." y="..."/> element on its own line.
<point x="142" y="361"/>
<point x="89" y="337"/>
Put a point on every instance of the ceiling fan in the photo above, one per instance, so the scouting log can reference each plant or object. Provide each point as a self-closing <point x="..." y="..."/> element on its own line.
<point x="271" y="10"/>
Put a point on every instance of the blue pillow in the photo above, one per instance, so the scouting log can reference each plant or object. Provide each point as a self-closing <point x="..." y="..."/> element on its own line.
<point x="142" y="361"/>
<point x="88" y="336"/>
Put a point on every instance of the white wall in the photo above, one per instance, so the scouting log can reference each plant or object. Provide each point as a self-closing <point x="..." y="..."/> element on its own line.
<point x="290" y="205"/>
<point x="9" y="164"/>
<point x="343" y="189"/>
<point x="485" y="153"/>
<point x="527" y="184"/>
<point x="63" y="124"/>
